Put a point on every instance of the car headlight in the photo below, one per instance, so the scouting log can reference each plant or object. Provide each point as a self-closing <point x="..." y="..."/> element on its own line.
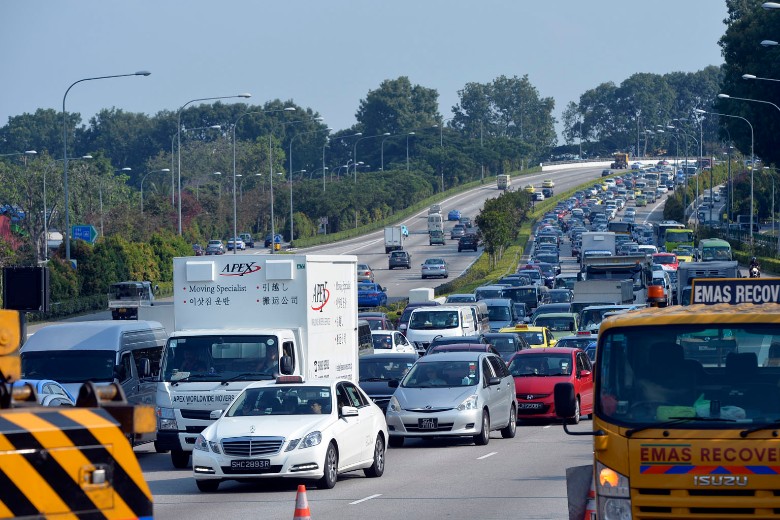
<point x="470" y="403"/>
<point x="394" y="405"/>
<point x="166" y="419"/>
<point x="214" y="447"/>
<point x="311" y="439"/>
<point x="201" y="443"/>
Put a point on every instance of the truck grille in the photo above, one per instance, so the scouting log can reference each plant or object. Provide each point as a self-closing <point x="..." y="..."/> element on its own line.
<point x="201" y="415"/>
<point x="252" y="446"/>
<point x="650" y="504"/>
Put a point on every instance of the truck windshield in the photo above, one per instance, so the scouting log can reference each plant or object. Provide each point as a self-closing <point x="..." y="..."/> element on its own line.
<point x="219" y="358"/>
<point x="126" y="291"/>
<point x="75" y="366"/>
<point x="697" y="372"/>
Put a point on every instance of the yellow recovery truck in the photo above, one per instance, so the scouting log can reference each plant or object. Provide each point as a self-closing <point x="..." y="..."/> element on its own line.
<point x="67" y="462"/>
<point x="686" y="419"/>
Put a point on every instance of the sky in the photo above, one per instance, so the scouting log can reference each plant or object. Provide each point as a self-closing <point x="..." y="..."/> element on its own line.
<point x="327" y="55"/>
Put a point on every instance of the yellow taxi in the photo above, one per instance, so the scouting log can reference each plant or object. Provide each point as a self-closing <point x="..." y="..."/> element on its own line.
<point x="529" y="188"/>
<point x="537" y="337"/>
<point x="548" y="183"/>
<point x="683" y="255"/>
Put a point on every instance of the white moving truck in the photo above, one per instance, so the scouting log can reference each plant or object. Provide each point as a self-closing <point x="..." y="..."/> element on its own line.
<point x="598" y="243"/>
<point x="394" y="238"/>
<point x="502" y="181"/>
<point x="245" y="318"/>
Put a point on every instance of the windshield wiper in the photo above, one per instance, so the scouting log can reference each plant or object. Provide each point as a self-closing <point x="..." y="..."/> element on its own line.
<point x="245" y="374"/>
<point x="675" y="420"/>
<point x="774" y="423"/>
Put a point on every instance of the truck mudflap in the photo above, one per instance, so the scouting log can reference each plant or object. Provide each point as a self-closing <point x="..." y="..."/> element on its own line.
<point x="66" y="462"/>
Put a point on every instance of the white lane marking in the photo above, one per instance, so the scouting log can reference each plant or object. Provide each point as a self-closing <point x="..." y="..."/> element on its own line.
<point x="660" y="203"/>
<point x="547" y="426"/>
<point x="364" y="499"/>
<point x="488" y="455"/>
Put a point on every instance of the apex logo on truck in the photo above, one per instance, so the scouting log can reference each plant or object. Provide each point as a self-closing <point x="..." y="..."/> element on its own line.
<point x="320" y="296"/>
<point x="240" y="269"/>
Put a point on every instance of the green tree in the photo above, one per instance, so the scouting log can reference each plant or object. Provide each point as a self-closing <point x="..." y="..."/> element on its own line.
<point x="397" y="106"/>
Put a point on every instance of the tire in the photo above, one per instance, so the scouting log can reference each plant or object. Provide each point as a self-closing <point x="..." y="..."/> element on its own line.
<point x="483" y="437"/>
<point x="330" y="466"/>
<point x="577" y="410"/>
<point x="378" y="467"/>
<point x="207" y="486"/>
<point x="396" y="442"/>
<point x="511" y="429"/>
<point x="159" y="449"/>
<point x="180" y="459"/>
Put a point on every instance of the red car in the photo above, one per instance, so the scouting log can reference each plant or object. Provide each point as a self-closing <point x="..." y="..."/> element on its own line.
<point x="536" y="371"/>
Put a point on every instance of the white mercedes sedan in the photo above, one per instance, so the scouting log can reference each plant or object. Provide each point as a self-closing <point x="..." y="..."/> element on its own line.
<point x="290" y="429"/>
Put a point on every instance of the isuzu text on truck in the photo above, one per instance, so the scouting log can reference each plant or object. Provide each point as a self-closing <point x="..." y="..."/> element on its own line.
<point x="245" y="318"/>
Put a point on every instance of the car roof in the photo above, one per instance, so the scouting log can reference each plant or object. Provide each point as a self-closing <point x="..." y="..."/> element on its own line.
<point x="389" y="356"/>
<point x="88" y="335"/>
<point x="497" y="301"/>
<point x="548" y="350"/>
<point x="454" y="356"/>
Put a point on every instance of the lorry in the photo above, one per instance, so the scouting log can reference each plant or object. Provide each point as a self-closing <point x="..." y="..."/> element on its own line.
<point x="683" y="417"/>
<point x="601" y="292"/>
<point x="394" y="239"/>
<point x="638" y="269"/>
<point x="125" y="298"/>
<point x="67" y="462"/>
<point x="600" y="242"/>
<point x="239" y="319"/>
<point x="688" y="271"/>
<point x="620" y="162"/>
<point x="502" y="181"/>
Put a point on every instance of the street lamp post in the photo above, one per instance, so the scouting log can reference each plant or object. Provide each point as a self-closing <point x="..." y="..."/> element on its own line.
<point x="164" y="170"/>
<point x="65" y="150"/>
<point x="752" y="159"/>
<point x="777" y="236"/>
<point x="290" y="169"/>
<point x="235" y="211"/>
<point x="173" y="166"/>
<point x="357" y="134"/>
<point x="178" y="137"/>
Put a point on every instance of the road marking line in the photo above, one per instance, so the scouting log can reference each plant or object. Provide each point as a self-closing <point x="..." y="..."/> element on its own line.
<point x="488" y="455"/>
<point x="547" y="426"/>
<point x="364" y="499"/>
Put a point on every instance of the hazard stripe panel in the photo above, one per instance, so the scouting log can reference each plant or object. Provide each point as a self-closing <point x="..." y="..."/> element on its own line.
<point x="75" y="463"/>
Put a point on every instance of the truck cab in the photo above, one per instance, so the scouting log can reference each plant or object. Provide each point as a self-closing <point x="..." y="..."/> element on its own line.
<point x="124" y="299"/>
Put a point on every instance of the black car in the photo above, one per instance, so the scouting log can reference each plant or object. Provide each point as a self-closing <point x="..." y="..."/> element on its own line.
<point x="507" y="343"/>
<point x="605" y="173"/>
<point x="468" y="242"/>
<point x="547" y="192"/>
<point x="198" y="250"/>
<point x="376" y="372"/>
<point x="400" y="259"/>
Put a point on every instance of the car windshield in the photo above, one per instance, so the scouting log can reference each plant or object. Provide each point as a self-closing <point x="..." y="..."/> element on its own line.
<point x="725" y="372"/>
<point x="442" y="374"/>
<point x="504" y="345"/>
<point x="282" y="400"/>
<point x="434" y="320"/>
<point x="468" y="298"/>
<point x="575" y="342"/>
<point x="384" y="369"/>
<point x="545" y="365"/>
<point x="367" y="287"/>
<point x="74" y="366"/>
<point x="434" y="261"/>
<point x="499" y="313"/>
<point x="555" y="324"/>
<point x="533" y="338"/>
<point x="382" y="341"/>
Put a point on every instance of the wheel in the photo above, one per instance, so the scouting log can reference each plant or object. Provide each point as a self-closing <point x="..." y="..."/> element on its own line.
<point x="207" y="486"/>
<point x="446" y="276"/>
<point x="180" y="459"/>
<point x="577" y="410"/>
<point x="396" y="442"/>
<point x="159" y="449"/>
<point x="511" y="429"/>
<point x="483" y="437"/>
<point x="331" y="467"/>
<point x="378" y="467"/>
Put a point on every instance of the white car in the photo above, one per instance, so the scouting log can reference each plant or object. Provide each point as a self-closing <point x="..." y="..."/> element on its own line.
<point x="289" y="429"/>
<point x="386" y="341"/>
<point x="236" y="243"/>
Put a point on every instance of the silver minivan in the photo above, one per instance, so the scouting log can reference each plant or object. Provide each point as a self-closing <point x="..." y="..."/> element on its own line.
<point x="123" y="352"/>
<point x="458" y="394"/>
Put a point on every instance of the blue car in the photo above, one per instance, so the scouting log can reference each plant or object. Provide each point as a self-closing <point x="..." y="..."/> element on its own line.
<point x="453" y="215"/>
<point x="50" y="393"/>
<point x="371" y="295"/>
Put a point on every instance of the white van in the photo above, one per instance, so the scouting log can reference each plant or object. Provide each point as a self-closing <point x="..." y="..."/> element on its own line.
<point x="479" y="312"/>
<point x="435" y="222"/>
<point x="426" y="323"/>
<point x="125" y="352"/>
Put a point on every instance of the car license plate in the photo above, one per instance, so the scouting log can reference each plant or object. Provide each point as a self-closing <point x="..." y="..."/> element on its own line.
<point x="249" y="465"/>
<point x="428" y="424"/>
<point x="529" y="406"/>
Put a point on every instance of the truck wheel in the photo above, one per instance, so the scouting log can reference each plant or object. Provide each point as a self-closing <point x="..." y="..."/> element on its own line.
<point x="159" y="449"/>
<point x="180" y="459"/>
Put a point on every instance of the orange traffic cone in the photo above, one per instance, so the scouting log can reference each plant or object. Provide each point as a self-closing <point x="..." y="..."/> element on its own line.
<point x="590" y="505"/>
<point x="301" y="505"/>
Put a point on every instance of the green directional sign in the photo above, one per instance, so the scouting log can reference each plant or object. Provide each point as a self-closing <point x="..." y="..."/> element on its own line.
<point x="85" y="233"/>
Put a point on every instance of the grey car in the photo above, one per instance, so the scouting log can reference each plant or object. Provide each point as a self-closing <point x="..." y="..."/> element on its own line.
<point x="434" y="267"/>
<point x="458" y="394"/>
<point x="400" y="259"/>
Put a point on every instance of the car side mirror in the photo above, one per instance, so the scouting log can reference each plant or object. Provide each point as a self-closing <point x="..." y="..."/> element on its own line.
<point x="584" y="373"/>
<point x="393" y="383"/>
<point x="493" y="381"/>
<point x="349" y="411"/>
<point x="145" y="368"/>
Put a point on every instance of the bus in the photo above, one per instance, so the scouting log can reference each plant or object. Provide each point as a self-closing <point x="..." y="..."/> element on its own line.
<point x="651" y="178"/>
<point x="674" y="238"/>
<point x="683" y="412"/>
<point x="714" y="249"/>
